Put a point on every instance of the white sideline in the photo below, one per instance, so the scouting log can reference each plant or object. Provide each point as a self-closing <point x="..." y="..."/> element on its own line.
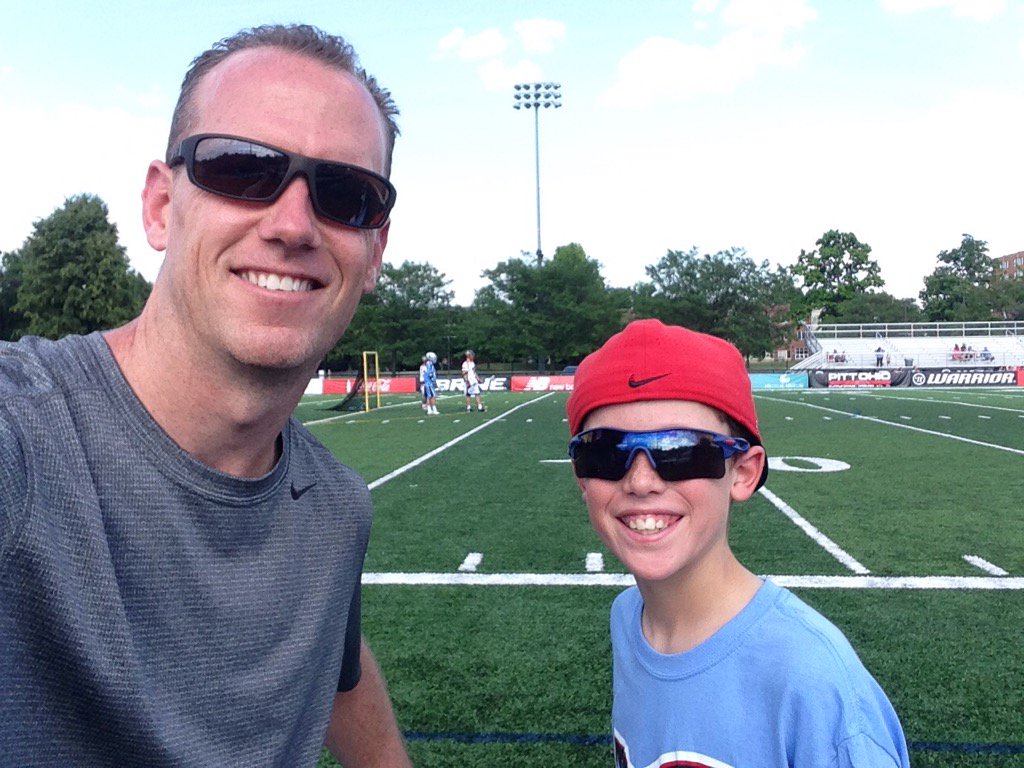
<point x="626" y="580"/>
<point x="820" y="538"/>
<point x="431" y="454"/>
<point x="998" y="447"/>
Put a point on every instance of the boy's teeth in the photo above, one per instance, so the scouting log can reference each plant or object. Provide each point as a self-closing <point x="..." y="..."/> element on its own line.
<point x="273" y="282"/>
<point x="643" y="524"/>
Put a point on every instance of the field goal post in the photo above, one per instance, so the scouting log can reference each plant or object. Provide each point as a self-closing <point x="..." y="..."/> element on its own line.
<point x="367" y="378"/>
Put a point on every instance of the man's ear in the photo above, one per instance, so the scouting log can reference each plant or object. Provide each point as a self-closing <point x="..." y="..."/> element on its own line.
<point x="747" y="469"/>
<point x="156" y="204"/>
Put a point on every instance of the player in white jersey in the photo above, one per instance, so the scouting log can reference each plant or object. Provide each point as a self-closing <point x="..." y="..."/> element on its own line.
<point x="472" y="380"/>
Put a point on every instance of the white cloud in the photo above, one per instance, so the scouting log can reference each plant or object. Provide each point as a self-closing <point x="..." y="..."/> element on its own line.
<point x="980" y="10"/>
<point x="486" y="44"/>
<point x="539" y="35"/>
<point x="663" y="68"/>
<point x="498" y="76"/>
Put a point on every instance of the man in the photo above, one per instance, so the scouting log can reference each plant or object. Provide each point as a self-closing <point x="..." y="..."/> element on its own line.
<point x="181" y="560"/>
<point x="472" y="381"/>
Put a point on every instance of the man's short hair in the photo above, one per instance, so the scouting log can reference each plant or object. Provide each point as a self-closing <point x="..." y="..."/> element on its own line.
<point x="302" y="39"/>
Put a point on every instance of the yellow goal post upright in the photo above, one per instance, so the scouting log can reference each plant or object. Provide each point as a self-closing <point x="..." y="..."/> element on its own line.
<point x="367" y="356"/>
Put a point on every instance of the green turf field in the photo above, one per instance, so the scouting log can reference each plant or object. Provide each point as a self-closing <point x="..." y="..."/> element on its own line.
<point x="503" y="659"/>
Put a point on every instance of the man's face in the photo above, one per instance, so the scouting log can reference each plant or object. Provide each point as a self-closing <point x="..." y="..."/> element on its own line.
<point x="216" y="247"/>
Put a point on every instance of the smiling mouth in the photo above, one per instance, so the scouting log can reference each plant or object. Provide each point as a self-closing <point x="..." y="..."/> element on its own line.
<point x="647" y="524"/>
<point x="275" y="282"/>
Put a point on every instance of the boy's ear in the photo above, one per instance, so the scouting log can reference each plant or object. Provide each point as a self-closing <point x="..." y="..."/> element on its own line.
<point x="747" y="469"/>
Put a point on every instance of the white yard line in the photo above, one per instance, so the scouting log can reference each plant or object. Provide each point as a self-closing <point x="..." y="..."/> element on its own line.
<point x="821" y="539"/>
<point x="440" y="449"/>
<point x="594" y="562"/>
<point x="627" y="580"/>
<point x="985" y="565"/>
<point x="472" y="562"/>
<point x="998" y="447"/>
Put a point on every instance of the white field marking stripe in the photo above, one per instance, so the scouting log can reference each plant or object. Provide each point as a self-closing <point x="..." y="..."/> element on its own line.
<point x="431" y="454"/>
<point x="627" y="580"/>
<point x="940" y="402"/>
<point x="353" y="414"/>
<point x="985" y="565"/>
<point x="594" y="562"/>
<point x="1018" y="451"/>
<point x="473" y="559"/>
<point x="823" y="541"/>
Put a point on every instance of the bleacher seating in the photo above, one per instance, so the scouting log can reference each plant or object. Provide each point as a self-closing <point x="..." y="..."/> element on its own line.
<point x="916" y="345"/>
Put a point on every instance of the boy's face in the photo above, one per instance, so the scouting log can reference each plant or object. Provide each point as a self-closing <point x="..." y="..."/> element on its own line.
<point x="660" y="529"/>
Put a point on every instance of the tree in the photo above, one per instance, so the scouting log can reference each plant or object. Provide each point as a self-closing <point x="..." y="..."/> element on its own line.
<point x="75" y="277"/>
<point x="559" y="309"/>
<point x="403" y="318"/>
<point x="726" y="294"/>
<point x="12" y="323"/>
<point x="878" y="307"/>
<point x="838" y="269"/>
<point x="958" y="289"/>
<point x="1008" y="297"/>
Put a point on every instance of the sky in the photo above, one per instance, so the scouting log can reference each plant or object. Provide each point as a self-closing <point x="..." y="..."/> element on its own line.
<point x="757" y="124"/>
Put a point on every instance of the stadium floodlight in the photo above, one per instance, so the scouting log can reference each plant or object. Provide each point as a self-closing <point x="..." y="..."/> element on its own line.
<point x="536" y="96"/>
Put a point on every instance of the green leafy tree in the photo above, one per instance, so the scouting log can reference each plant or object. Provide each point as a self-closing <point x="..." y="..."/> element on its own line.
<point x="12" y="323"/>
<point x="838" y="269"/>
<point x="404" y="317"/>
<point x="724" y="293"/>
<point x="880" y="307"/>
<point x="1008" y="297"/>
<point x="558" y="310"/>
<point x="75" y="277"/>
<point x="959" y="288"/>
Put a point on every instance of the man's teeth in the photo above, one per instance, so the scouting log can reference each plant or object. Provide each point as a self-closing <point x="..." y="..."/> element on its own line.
<point x="273" y="282"/>
<point x="646" y="524"/>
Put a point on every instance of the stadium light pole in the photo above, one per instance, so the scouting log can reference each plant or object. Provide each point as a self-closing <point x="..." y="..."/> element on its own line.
<point x="537" y="96"/>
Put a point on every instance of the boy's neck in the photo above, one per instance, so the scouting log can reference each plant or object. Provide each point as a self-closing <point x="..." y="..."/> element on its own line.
<point x="680" y="614"/>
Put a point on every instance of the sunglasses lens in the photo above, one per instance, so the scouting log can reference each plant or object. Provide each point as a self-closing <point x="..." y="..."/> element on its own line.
<point x="597" y="456"/>
<point x="350" y="196"/>
<point x="238" y="169"/>
<point x="605" y="454"/>
<point x="700" y="461"/>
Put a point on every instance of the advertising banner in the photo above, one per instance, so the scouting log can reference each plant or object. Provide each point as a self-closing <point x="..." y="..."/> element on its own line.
<point x="542" y="383"/>
<point x="796" y="380"/>
<point x="401" y="385"/>
<point x="979" y="377"/>
<point x="874" y="377"/>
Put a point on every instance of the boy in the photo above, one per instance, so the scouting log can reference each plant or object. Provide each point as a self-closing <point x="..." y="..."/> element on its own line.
<point x="472" y="381"/>
<point x="430" y="384"/>
<point x="712" y="665"/>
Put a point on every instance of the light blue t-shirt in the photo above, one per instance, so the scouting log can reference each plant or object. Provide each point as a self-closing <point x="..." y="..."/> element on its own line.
<point x="779" y="685"/>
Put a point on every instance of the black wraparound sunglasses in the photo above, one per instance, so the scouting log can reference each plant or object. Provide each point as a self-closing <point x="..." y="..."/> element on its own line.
<point x="675" y="454"/>
<point x="242" y="169"/>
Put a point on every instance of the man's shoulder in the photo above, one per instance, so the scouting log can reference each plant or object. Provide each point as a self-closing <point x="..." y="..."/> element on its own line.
<point x="35" y="366"/>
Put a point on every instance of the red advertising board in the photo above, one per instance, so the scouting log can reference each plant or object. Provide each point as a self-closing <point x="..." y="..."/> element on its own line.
<point x="401" y="385"/>
<point x="542" y="383"/>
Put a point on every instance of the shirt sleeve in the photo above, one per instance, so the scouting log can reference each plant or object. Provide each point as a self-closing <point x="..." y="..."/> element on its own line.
<point x="351" y="670"/>
<point x="13" y="484"/>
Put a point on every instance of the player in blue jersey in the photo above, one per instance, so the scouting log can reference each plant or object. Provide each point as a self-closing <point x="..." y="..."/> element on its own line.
<point x="430" y="384"/>
<point x="712" y="665"/>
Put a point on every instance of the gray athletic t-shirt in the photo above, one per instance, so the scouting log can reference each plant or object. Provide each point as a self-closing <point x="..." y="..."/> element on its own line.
<point x="154" y="611"/>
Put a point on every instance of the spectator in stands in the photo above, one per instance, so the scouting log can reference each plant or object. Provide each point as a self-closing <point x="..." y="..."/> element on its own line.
<point x="181" y="558"/>
<point x="957" y="354"/>
<point x="879" y="357"/>
<point x="987" y="355"/>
